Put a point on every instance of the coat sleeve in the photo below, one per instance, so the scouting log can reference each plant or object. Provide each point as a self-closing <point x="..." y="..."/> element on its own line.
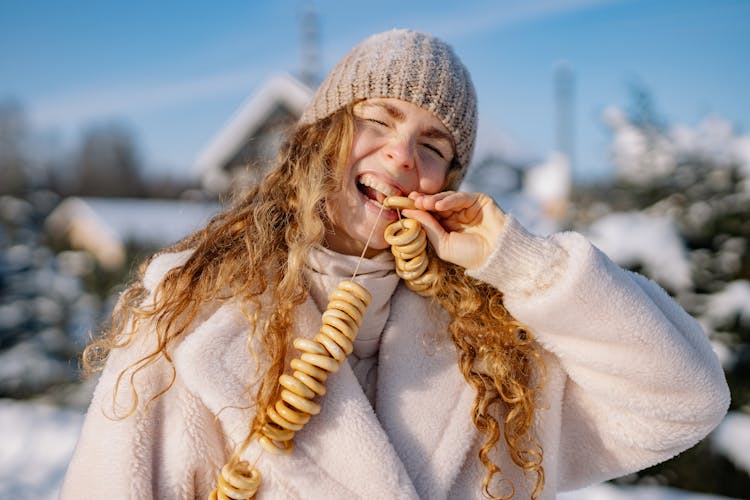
<point x="638" y="381"/>
<point x="168" y="447"/>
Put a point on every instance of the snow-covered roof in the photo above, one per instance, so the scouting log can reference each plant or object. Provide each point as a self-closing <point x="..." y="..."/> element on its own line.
<point x="104" y="225"/>
<point x="282" y="89"/>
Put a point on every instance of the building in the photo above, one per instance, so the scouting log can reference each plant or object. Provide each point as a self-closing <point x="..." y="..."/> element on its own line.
<point x="241" y="151"/>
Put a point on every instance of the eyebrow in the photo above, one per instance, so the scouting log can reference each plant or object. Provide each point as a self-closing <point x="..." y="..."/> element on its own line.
<point x="398" y="115"/>
<point x="435" y="133"/>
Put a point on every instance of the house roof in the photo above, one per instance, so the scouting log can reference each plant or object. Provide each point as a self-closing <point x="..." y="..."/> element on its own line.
<point x="282" y="89"/>
<point x="103" y="226"/>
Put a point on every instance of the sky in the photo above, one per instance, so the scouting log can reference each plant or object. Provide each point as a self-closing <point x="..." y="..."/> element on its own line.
<point x="175" y="72"/>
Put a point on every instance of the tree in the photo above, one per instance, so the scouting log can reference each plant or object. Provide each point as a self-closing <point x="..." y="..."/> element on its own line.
<point x="108" y="163"/>
<point x="699" y="179"/>
<point x="13" y="159"/>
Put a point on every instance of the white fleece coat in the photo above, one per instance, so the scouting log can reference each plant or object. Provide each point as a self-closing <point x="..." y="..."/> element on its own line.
<point x="631" y="380"/>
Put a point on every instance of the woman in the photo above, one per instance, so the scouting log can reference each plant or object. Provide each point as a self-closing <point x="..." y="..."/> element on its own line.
<point x="532" y="365"/>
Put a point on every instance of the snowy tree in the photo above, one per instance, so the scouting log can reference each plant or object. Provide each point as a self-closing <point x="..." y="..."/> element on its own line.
<point x="678" y="211"/>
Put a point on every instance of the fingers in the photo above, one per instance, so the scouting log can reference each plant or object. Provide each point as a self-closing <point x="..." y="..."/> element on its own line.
<point x="453" y="209"/>
<point x="446" y="201"/>
<point x="435" y="231"/>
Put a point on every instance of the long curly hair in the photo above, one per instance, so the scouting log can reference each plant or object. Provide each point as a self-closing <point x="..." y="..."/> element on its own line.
<point x="258" y="246"/>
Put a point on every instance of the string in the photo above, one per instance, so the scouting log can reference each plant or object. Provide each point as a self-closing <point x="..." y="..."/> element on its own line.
<point x="367" y="243"/>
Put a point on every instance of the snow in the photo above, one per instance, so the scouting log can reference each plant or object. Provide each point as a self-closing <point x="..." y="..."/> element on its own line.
<point x="282" y="89"/>
<point x="730" y="303"/>
<point x="549" y="182"/>
<point x="159" y="222"/>
<point x="642" y="155"/>
<point x="38" y="439"/>
<point x="639" y="157"/>
<point x="610" y="492"/>
<point x="38" y="442"/>
<point x="713" y="138"/>
<point x="635" y="238"/>
<point x="732" y="439"/>
<point x="26" y="368"/>
<point x="103" y="226"/>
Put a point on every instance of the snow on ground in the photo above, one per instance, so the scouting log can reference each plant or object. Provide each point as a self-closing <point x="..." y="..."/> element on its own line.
<point x="635" y="238"/>
<point x="611" y="492"/>
<point x="38" y="441"/>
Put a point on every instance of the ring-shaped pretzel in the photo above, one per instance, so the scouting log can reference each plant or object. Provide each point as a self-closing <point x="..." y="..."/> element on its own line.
<point x="357" y="290"/>
<point x="340" y="325"/>
<point x="293" y="416"/>
<point x="307" y="345"/>
<point x="296" y="386"/>
<point x="402" y="232"/>
<point x="342" y="339"/>
<point x="398" y="202"/>
<point x="276" y="433"/>
<point x="311" y="383"/>
<point x="313" y="371"/>
<point x="333" y="348"/>
<point x="348" y="298"/>
<point x="319" y="357"/>
<point x="281" y="421"/>
<point x="276" y="447"/>
<point x="237" y="481"/>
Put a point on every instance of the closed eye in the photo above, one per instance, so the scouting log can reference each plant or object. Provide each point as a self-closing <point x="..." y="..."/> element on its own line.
<point x="434" y="149"/>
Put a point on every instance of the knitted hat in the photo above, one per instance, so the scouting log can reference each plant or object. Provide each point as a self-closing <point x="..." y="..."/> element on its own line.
<point x="408" y="65"/>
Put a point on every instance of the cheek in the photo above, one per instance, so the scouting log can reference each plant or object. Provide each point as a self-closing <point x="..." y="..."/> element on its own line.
<point x="363" y="144"/>
<point x="432" y="179"/>
<point x="341" y="206"/>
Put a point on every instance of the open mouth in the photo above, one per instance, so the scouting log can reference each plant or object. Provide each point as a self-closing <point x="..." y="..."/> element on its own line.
<point x="375" y="190"/>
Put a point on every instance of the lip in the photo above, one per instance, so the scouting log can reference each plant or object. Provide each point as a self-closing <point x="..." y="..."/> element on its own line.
<point x="387" y="214"/>
<point x="384" y="179"/>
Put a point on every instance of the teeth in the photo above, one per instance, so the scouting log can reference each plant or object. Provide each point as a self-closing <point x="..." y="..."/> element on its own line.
<point x="376" y="203"/>
<point x="375" y="183"/>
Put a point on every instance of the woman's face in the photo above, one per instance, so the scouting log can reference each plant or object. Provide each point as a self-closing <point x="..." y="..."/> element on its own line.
<point x="397" y="148"/>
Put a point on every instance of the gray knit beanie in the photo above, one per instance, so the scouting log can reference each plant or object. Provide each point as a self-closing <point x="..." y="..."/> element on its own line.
<point x="408" y="65"/>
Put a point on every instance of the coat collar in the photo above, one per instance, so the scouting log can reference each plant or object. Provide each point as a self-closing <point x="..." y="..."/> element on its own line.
<point x="414" y="447"/>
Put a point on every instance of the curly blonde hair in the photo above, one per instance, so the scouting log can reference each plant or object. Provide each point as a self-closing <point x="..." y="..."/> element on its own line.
<point x="259" y="245"/>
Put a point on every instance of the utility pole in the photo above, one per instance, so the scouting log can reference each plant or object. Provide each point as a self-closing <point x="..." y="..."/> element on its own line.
<point x="564" y="112"/>
<point x="310" y="47"/>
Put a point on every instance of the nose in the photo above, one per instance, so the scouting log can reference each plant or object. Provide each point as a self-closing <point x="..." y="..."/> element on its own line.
<point x="400" y="152"/>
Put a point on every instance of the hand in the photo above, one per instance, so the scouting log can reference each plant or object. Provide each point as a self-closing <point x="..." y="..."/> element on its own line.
<point x="462" y="227"/>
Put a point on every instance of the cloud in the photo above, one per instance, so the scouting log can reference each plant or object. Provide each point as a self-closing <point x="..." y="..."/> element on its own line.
<point x="98" y="103"/>
<point x="101" y="103"/>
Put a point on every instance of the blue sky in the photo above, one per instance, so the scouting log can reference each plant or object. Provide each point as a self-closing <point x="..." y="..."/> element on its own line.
<point x="174" y="72"/>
